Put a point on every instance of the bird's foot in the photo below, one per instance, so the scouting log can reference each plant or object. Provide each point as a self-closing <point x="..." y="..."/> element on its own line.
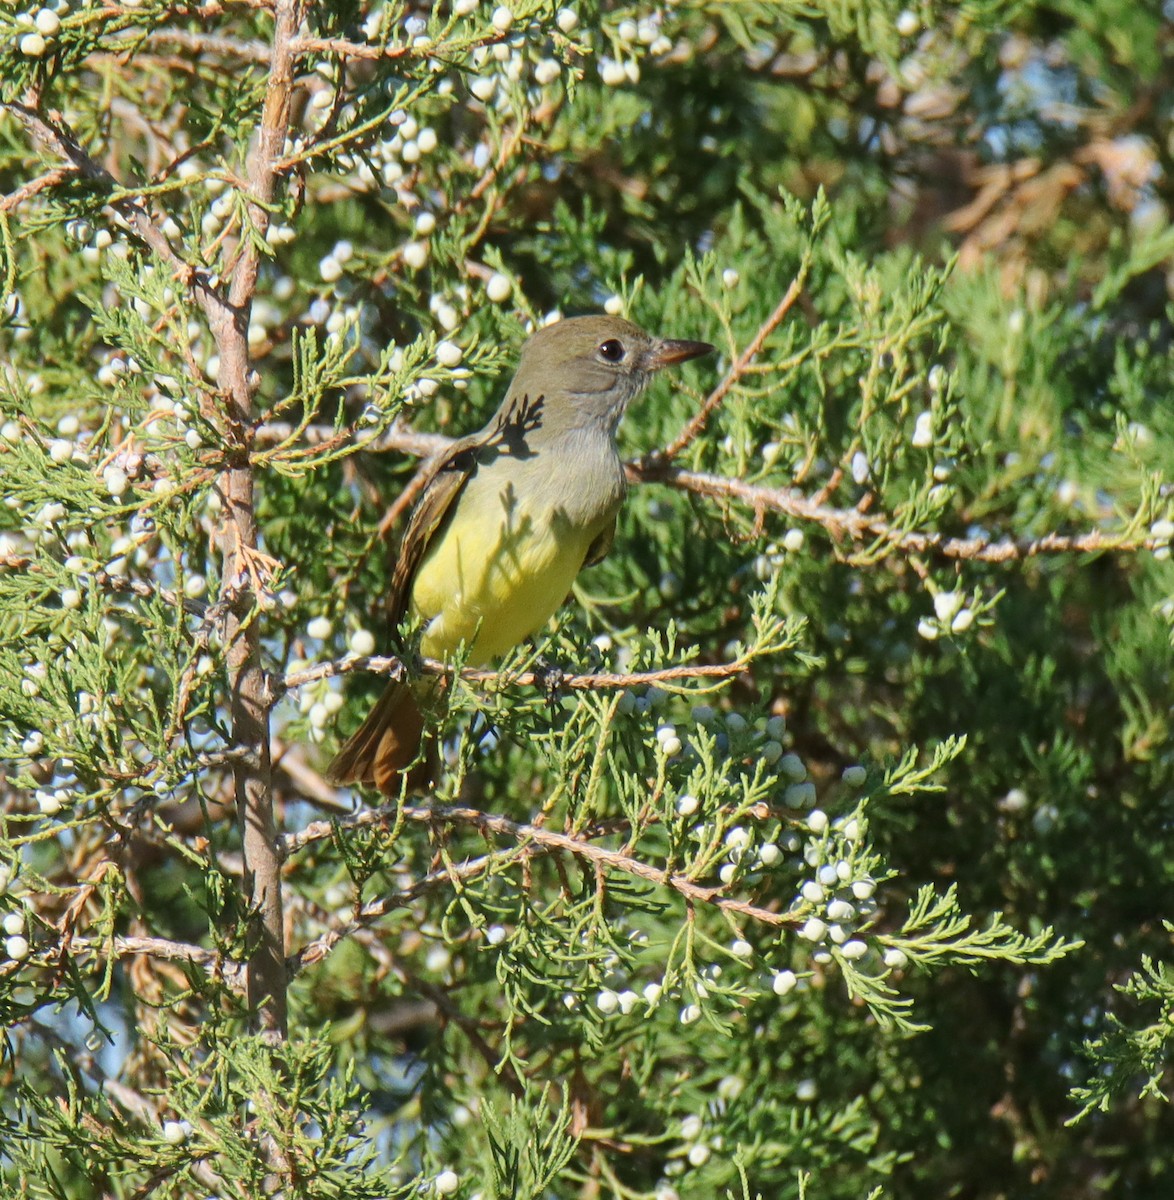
<point x="549" y="677"/>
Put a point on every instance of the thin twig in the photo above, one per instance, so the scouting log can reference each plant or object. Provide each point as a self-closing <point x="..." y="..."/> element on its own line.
<point x="593" y="681"/>
<point x="849" y="523"/>
<point x="738" y="367"/>
<point x="863" y="527"/>
<point x="147" y="591"/>
<point x="112" y="583"/>
<point x="124" y="946"/>
<point x="315" y="951"/>
<point x="468" y="1026"/>
<point x="50" y="179"/>
<point x="55" y="137"/>
<point x="402" y="503"/>
<point x="550" y="840"/>
<point x="398" y="438"/>
<point x="209" y="43"/>
<point x="360" y="50"/>
<point x="310" y="785"/>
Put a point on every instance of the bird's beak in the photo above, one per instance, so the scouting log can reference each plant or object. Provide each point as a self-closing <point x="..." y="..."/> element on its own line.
<point x="666" y="352"/>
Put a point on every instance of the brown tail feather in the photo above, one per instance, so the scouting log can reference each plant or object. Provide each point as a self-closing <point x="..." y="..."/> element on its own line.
<point x="387" y="742"/>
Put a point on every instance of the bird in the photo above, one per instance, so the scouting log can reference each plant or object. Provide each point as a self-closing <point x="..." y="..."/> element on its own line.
<point x="506" y="518"/>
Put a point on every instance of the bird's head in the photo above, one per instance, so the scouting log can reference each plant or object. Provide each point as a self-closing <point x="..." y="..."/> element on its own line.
<point x="593" y="366"/>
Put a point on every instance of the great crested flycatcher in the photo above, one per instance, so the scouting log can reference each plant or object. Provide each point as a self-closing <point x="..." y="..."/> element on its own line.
<point x="508" y="517"/>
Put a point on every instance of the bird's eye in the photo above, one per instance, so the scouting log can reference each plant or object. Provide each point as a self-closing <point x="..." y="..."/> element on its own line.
<point x="612" y="350"/>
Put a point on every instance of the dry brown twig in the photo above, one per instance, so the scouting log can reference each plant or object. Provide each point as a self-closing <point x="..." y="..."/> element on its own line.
<point x="114" y="583"/>
<point x="209" y="43"/>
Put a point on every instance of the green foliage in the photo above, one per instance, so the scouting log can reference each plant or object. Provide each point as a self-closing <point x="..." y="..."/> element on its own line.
<point x="1125" y="1052"/>
<point x="818" y="847"/>
<point x="236" y="1113"/>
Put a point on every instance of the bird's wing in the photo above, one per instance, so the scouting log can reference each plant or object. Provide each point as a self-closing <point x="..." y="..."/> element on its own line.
<point x="447" y="476"/>
<point x="445" y="479"/>
<point x="599" y="548"/>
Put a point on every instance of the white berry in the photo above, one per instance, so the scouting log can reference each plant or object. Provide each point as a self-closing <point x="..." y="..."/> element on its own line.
<point x="498" y="288"/>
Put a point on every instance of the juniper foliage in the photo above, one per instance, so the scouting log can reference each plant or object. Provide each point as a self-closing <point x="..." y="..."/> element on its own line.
<point x="827" y="861"/>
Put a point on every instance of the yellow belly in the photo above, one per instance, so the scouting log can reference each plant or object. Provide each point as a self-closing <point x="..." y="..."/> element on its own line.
<point x="496" y="573"/>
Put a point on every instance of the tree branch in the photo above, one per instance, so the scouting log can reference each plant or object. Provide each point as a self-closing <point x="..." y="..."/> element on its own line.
<point x="210" y="43"/>
<point x="849" y="523"/>
<point x="125" y="946"/>
<point x="250" y="701"/>
<point x="862" y="527"/>
<point x="390" y="665"/>
<point x="548" y="839"/>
